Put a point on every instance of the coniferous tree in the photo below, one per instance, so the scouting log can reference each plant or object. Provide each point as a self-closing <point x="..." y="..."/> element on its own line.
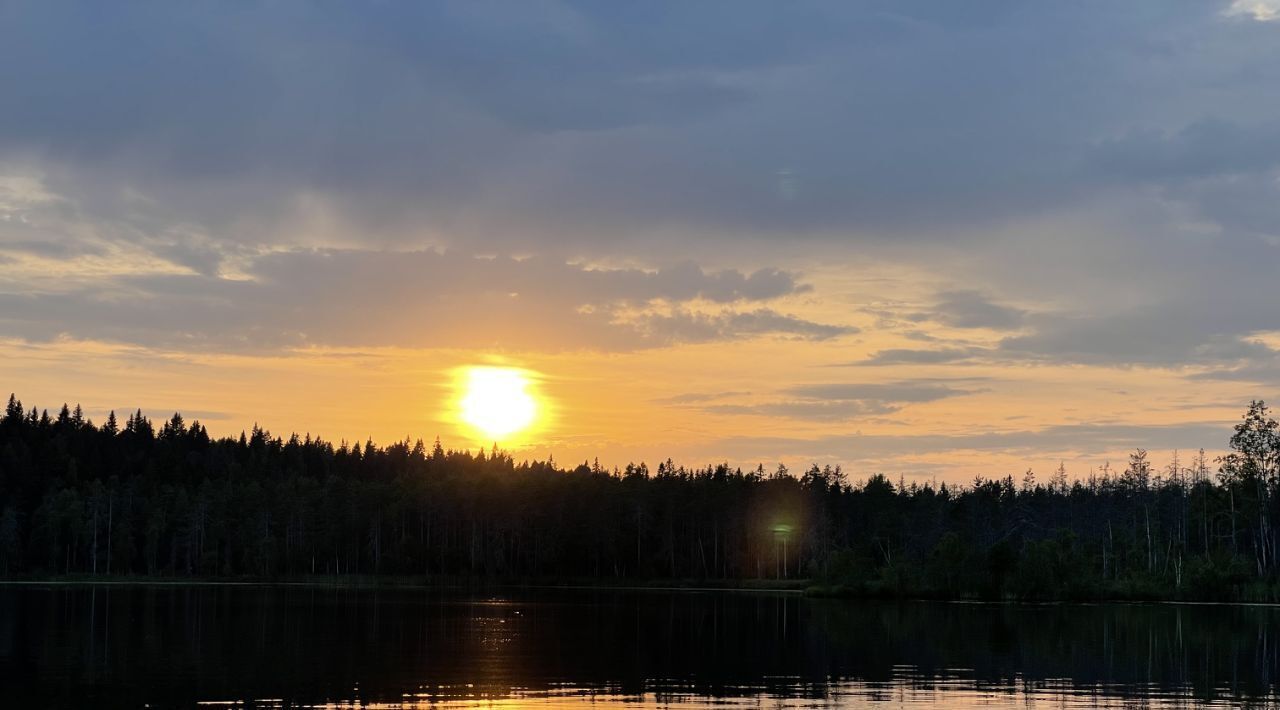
<point x="75" y="499"/>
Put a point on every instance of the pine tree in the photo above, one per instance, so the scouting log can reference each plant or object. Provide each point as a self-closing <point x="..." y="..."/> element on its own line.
<point x="1059" y="482"/>
<point x="13" y="413"/>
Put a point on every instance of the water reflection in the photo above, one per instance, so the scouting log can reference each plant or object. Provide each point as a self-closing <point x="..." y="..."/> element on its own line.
<point x="317" y="647"/>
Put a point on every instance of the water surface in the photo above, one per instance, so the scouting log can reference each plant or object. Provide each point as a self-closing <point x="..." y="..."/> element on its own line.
<point x="261" y="646"/>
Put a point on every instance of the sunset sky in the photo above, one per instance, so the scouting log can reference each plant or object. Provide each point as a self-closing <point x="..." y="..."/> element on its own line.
<point x="927" y="239"/>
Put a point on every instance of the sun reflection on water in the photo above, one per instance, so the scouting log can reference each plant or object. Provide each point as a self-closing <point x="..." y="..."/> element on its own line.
<point x="909" y="688"/>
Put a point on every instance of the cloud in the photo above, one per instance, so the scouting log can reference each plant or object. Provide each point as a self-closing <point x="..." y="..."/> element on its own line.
<point x="808" y="410"/>
<point x="685" y="326"/>
<point x="1073" y="439"/>
<point x="1260" y="10"/>
<point x="431" y="271"/>
<point x="829" y="401"/>
<point x="418" y="298"/>
<point x="1168" y="336"/>
<point x="1262" y="367"/>
<point x="971" y="309"/>
<point x="907" y="356"/>
<point x="686" y="280"/>
<point x="608" y="128"/>
<point x="1205" y="148"/>
<point x="573" y="129"/>
<point x="699" y="397"/>
<point x="19" y="193"/>
<point x="885" y="392"/>
<point x="1225" y="172"/>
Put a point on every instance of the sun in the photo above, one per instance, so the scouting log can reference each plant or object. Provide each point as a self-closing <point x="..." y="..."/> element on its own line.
<point x="496" y="401"/>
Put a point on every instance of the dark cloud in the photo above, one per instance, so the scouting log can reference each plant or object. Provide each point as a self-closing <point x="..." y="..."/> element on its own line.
<point x="1204" y="148"/>
<point x="831" y="401"/>
<point x="202" y="258"/>
<point x="811" y="410"/>
<point x="884" y="392"/>
<point x="1168" y="335"/>
<point x="48" y="249"/>
<point x="691" y="327"/>
<point x="971" y="309"/>
<point x="1262" y="368"/>
<point x="907" y="356"/>
<point x="556" y="123"/>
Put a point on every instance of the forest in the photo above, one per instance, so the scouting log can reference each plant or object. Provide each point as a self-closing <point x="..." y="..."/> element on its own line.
<point x="129" y="500"/>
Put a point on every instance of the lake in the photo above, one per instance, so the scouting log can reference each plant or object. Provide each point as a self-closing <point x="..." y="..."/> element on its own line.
<point x="302" y="646"/>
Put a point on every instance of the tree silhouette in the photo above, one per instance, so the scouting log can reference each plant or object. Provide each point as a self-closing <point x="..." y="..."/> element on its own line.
<point x="76" y="499"/>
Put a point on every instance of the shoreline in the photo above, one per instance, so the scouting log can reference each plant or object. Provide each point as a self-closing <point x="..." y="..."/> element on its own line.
<point x="797" y="589"/>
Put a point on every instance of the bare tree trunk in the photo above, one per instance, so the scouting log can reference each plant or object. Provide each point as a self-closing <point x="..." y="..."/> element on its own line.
<point x="1232" y="496"/>
<point x="1205" y="522"/>
<point x="95" y="537"/>
<point x="671" y="547"/>
<point x="1151" y="563"/>
<point x="639" y="537"/>
<point x="1105" y="550"/>
<point x="1111" y="542"/>
<point x="110" y="506"/>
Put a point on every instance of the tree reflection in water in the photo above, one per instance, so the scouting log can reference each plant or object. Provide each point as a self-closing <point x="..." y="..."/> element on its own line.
<point x="317" y="647"/>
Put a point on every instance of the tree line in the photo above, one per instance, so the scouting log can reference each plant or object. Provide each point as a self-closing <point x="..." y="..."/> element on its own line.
<point x="131" y="499"/>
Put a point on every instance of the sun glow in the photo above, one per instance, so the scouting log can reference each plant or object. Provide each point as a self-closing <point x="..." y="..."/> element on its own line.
<point x="496" y="401"/>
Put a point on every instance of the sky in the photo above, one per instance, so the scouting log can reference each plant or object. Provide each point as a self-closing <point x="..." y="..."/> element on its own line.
<point x="927" y="239"/>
